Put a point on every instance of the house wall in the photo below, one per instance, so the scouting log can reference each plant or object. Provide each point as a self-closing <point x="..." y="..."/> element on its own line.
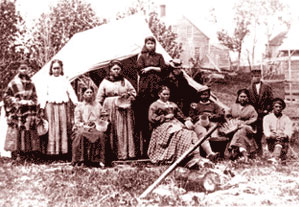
<point x="196" y="44"/>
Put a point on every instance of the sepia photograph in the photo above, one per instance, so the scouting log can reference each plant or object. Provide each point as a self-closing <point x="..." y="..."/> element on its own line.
<point x="149" y="103"/>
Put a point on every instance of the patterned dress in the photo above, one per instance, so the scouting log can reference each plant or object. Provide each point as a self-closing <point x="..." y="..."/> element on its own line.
<point x="21" y="118"/>
<point x="169" y="138"/>
<point x="122" y="141"/>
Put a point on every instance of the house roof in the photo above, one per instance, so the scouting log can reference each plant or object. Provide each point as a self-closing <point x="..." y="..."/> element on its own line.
<point x="278" y="39"/>
<point x="291" y="41"/>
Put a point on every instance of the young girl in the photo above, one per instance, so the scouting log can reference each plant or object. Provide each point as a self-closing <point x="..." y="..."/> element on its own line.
<point x="59" y="92"/>
<point x="151" y="67"/>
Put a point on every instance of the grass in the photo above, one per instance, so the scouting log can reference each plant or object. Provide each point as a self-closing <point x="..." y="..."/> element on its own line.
<point x="60" y="184"/>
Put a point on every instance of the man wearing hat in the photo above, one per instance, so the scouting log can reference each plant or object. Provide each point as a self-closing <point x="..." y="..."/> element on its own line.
<point x="260" y="95"/>
<point x="181" y="92"/>
<point x="201" y="117"/>
<point x="277" y="130"/>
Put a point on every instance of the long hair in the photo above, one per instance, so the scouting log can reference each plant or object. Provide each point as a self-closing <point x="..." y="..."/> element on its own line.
<point x="243" y="90"/>
<point x="121" y="77"/>
<point x="144" y="48"/>
<point x="51" y="66"/>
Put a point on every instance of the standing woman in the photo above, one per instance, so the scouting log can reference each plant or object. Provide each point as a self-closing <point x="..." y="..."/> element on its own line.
<point x="59" y="92"/>
<point x="115" y="94"/>
<point x="20" y="103"/>
<point x="151" y="68"/>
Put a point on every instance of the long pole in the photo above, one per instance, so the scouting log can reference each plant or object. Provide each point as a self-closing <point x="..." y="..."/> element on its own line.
<point x="177" y="162"/>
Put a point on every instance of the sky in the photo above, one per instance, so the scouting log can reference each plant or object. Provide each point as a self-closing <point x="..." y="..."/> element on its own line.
<point x="31" y="9"/>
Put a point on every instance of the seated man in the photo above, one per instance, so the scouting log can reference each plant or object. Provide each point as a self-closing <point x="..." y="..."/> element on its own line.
<point x="89" y="133"/>
<point x="201" y="118"/>
<point x="277" y="130"/>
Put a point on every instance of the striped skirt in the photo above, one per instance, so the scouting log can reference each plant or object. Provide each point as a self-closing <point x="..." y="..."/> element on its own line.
<point x="57" y="115"/>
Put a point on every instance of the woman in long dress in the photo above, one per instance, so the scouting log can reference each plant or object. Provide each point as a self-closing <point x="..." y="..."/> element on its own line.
<point x="170" y="138"/>
<point x="20" y="103"/>
<point x="89" y="140"/>
<point x="115" y="94"/>
<point x="243" y="142"/>
<point x="59" y="93"/>
<point x="151" y="70"/>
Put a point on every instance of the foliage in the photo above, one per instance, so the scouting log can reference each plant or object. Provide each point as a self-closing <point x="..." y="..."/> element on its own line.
<point x="165" y="36"/>
<point x="54" y="29"/>
<point x="10" y="22"/>
<point x="251" y="16"/>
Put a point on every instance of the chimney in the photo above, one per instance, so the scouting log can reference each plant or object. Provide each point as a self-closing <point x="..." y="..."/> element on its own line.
<point x="162" y="10"/>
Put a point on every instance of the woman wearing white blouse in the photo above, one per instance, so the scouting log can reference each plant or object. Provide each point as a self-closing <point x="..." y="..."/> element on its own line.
<point x="58" y="94"/>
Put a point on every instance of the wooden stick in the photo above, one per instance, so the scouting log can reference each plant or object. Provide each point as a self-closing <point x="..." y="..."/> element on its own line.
<point x="177" y="162"/>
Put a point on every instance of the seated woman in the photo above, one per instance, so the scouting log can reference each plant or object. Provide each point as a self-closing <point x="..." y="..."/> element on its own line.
<point x="202" y="115"/>
<point x="115" y="94"/>
<point x="243" y="116"/>
<point x="277" y="130"/>
<point x="170" y="139"/>
<point x="88" y="145"/>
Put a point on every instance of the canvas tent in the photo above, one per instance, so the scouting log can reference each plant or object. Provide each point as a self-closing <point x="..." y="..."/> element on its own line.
<point x="93" y="49"/>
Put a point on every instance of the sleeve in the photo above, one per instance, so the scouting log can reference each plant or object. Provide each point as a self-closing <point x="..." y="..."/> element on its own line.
<point x="100" y="97"/>
<point x="179" y="114"/>
<point x="193" y="115"/>
<point x="218" y="113"/>
<point x="266" y="126"/>
<point x="130" y="89"/>
<point x="34" y="94"/>
<point x="140" y="63"/>
<point x="288" y="127"/>
<point x="153" y="116"/>
<point x="9" y="99"/>
<point x="72" y="94"/>
<point x="78" y="116"/>
<point x="253" y="116"/>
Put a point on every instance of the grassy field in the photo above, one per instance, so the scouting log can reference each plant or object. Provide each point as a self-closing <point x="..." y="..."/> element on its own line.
<point x="59" y="184"/>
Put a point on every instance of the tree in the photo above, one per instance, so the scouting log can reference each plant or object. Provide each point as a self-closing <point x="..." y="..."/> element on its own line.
<point x="54" y="29"/>
<point x="165" y="35"/>
<point x="235" y="42"/>
<point x="251" y="17"/>
<point x="10" y="20"/>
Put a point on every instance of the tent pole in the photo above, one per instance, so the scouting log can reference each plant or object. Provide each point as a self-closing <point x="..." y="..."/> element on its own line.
<point x="177" y="162"/>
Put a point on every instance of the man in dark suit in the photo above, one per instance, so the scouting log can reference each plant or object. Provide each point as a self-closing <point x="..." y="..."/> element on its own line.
<point x="260" y="95"/>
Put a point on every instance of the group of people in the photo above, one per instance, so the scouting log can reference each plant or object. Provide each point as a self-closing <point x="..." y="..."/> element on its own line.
<point x="160" y="119"/>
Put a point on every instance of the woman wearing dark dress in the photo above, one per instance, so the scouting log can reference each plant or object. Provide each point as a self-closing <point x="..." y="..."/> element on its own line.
<point x="151" y="67"/>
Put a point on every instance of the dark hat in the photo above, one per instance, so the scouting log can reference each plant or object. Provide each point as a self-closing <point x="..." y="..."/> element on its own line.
<point x="280" y="101"/>
<point x="175" y="63"/>
<point x="256" y="70"/>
